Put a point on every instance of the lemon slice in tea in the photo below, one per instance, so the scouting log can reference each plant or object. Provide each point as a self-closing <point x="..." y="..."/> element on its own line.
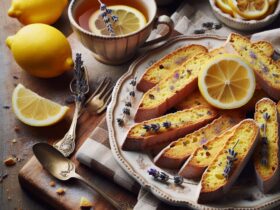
<point x="129" y="21"/>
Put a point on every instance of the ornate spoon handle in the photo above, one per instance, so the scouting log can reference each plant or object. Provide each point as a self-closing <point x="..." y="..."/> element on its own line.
<point x="67" y="144"/>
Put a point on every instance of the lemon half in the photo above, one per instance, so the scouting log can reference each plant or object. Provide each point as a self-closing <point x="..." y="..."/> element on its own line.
<point x="227" y="82"/>
<point x="129" y="21"/>
<point x="34" y="110"/>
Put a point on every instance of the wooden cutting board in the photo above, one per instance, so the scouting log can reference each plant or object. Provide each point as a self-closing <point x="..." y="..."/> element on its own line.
<point x="36" y="180"/>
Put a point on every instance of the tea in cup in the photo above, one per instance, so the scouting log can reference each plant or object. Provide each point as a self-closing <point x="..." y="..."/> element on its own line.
<point x="115" y="31"/>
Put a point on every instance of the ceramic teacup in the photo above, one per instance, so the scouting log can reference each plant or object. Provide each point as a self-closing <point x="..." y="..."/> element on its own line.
<point x="119" y="49"/>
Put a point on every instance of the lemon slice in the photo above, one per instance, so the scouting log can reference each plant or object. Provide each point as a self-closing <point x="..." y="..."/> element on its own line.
<point x="129" y="21"/>
<point x="250" y="9"/>
<point x="224" y="6"/>
<point x="227" y="82"/>
<point x="35" y="110"/>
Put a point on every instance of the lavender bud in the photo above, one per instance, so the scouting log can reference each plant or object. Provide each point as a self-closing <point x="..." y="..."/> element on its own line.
<point x="108" y="11"/>
<point x="163" y="177"/>
<point x="103" y="15"/>
<point x="126" y="111"/>
<point x="166" y="124"/>
<point x="147" y="127"/>
<point x="153" y="172"/>
<point x="155" y="127"/>
<point x="132" y="93"/>
<point x="128" y="104"/>
<point x="120" y="122"/>
<point x="115" y="18"/>
<point x="178" y="180"/>
<point x="103" y="6"/>
<point x="133" y="82"/>
<point x="266" y="116"/>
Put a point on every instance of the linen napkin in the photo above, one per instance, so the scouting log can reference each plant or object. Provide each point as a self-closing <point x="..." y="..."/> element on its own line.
<point x="96" y="153"/>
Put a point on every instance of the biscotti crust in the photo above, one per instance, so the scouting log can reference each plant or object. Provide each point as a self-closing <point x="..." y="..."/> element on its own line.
<point x="167" y="64"/>
<point x="267" y="117"/>
<point x="181" y="123"/>
<point x="244" y="143"/>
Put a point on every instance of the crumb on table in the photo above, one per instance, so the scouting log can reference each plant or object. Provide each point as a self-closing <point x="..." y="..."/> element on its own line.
<point x="60" y="191"/>
<point x="10" y="161"/>
<point x="85" y="203"/>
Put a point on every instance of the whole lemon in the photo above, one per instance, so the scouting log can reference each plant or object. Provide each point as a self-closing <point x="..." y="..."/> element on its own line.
<point x="41" y="50"/>
<point x="37" y="11"/>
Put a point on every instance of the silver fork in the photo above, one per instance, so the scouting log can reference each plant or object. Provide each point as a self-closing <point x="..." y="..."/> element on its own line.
<point x="98" y="102"/>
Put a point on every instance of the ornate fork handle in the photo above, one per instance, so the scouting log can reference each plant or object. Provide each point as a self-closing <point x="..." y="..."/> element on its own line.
<point x="67" y="144"/>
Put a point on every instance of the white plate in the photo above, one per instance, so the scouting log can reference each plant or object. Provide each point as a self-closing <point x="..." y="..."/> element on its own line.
<point x="244" y="195"/>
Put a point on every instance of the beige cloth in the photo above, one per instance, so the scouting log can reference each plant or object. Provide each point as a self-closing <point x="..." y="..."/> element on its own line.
<point x="96" y="153"/>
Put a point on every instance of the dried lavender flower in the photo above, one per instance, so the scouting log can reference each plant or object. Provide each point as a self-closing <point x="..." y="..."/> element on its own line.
<point x="107" y="17"/>
<point x="163" y="177"/>
<point x="231" y="158"/>
<point x="218" y="26"/>
<point x="166" y="124"/>
<point x="208" y="25"/>
<point x="132" y="93"/>
<point x="126" y="111"/>
<point x="199" y="31"/>
<point x="155" y="127"/>
<point x="161" y="66"/>
<point x="147" y="127"/>
<point x="151" y="96"/>
<point x="120" y="122"/>
<point x="133" y="82"/>
<point x="153" y="172"/>
<point x="128" y="104"/>
<point x="253" y="55"/>
<point x="178" y="180"/>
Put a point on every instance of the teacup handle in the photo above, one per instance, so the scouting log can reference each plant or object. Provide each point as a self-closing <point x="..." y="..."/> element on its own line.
<point x="163" y="19"/>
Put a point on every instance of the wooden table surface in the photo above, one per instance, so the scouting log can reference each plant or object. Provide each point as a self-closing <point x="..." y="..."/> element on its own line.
<point x="12" y="196"/>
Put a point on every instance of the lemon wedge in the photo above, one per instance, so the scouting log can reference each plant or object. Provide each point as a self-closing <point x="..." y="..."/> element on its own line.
<point x="227" y="82"/>
<point x="250" y="9"/>
<point x="129" y="21"/>
<point x="35" y="110"/>
<point x="224" y="6"/>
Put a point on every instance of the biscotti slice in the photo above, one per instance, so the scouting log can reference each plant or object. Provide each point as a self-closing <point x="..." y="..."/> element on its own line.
<point x="265" y="46"/>
<point x="167" y="64"/>
<point x="229" y="162"/>
<point x="171" y="90"/>
<point x="266" y="157"/>
<point x="195" y="99"/>
<point x="167" y="128"/>
<point x="204" y="155"/>
<point x="176" y="153"/>
<point x="266" y="70"/>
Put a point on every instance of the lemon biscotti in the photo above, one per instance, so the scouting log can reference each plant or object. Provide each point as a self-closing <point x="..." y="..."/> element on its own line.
<point x="167" y="64"/>
<point x="266" y="69"/>
<point x="266" y="157"/>
<point x="151" y="133"/>
<point x="175" y="154"/>
<point x="171" y="90"/>
<point x="229" y="162"/>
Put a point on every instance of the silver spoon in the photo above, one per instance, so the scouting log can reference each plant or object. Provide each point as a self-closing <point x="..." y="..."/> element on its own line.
<point x="64" y="169"/>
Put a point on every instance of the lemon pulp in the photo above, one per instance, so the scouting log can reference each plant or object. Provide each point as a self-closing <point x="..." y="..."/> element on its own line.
<point x="227" y="82"/>
<point x="35" y="110"/>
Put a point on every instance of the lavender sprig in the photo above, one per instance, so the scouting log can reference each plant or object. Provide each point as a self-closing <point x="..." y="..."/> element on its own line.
<point x="163" y="177"/>
<point x="231" y="158"/>
<point x="264" y="141"/>
<point x="128" y="104"/>
<point x="107" y="17"/>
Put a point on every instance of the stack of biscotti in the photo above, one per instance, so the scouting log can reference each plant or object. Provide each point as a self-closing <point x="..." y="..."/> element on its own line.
<point x="266" y="69"/>
<point x="266" y="157"/>
<point x="162" y="68"/>
<point x="223" y="171"/>
<point x="149" y="134"/>
<point x="175" y="154"/>
<point x="171" y="90"/>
